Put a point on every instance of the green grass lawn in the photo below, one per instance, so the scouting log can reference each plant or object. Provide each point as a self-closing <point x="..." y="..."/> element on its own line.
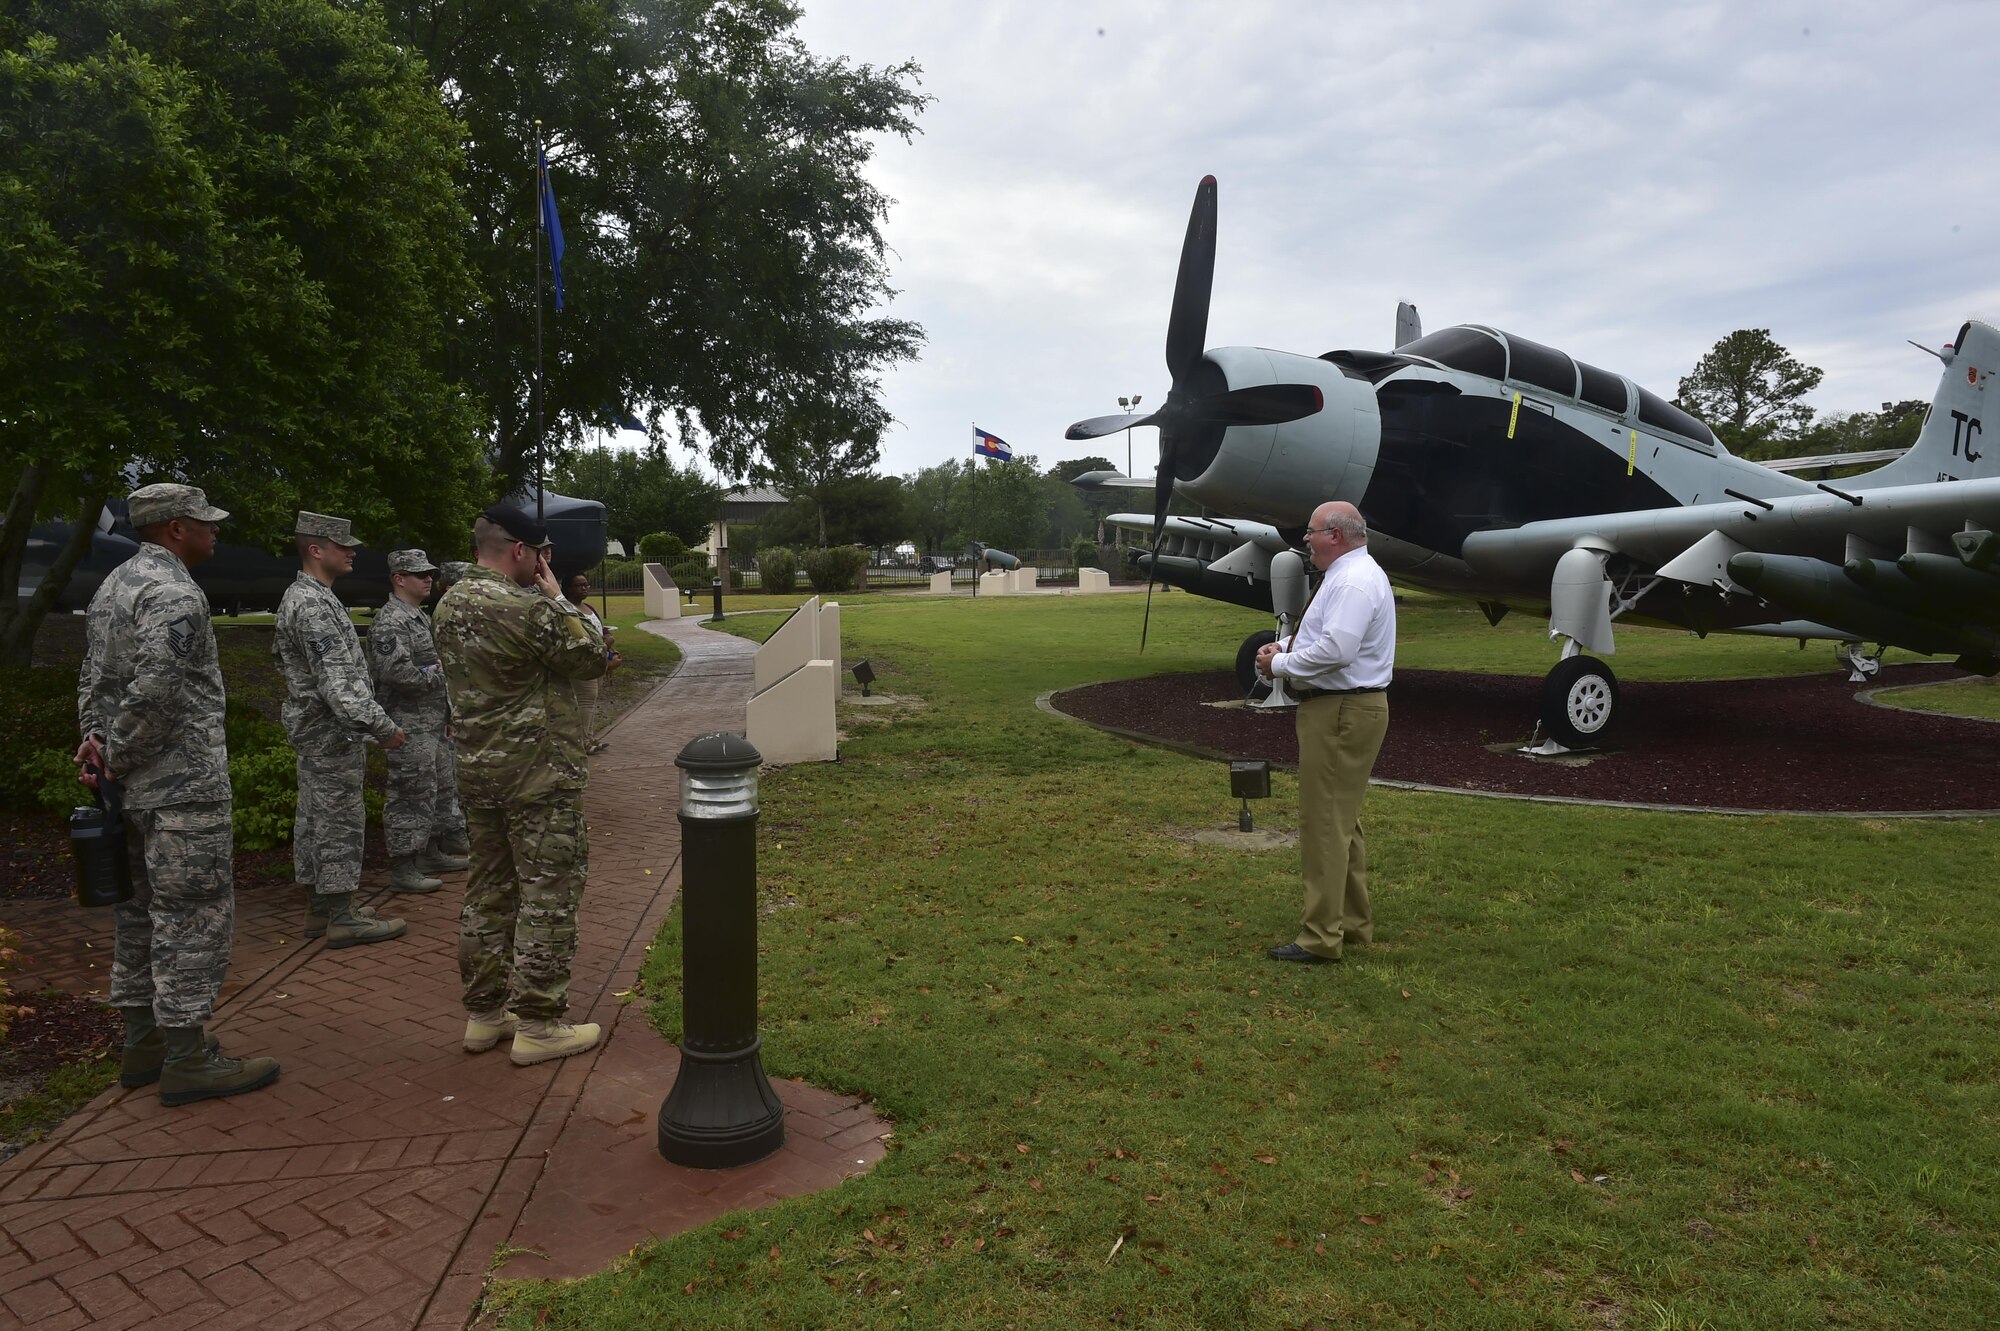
<point x="1961" y="697"/>
<point x="1602" y="1069"/>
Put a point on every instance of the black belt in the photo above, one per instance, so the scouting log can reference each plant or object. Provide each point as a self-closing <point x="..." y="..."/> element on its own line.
<point x="1305" y="693"/>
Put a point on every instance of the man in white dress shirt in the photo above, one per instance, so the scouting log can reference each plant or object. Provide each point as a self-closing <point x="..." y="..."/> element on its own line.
<point x="1338" y="664"/>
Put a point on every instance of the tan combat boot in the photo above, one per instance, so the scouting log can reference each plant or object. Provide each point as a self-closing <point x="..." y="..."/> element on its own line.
<point x="540" y="1041"/>
<point x="404" y="876"/>
<point x="347" y="927"/>
<point x="195" y="1071"/>
<point x="483" y="1030"/>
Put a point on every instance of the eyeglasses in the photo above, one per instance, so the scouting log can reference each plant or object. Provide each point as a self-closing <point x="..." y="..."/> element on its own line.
<point x="1321" y="531"/>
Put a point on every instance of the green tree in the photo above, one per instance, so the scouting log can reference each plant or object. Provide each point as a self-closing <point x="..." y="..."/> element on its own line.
<point x="723" y="247"/>
<point x="228" y="247"/>
<point x="927" y="500"/>
<point x="1005" y="504"/>
<point x="817" y="447"/>
<point x="1895" y="426"/>
<point x="642" y="491"/>
<point x="1751" y="392"/>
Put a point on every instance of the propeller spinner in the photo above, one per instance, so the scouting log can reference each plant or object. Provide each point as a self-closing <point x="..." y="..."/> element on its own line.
<point x="1193" y="406"/>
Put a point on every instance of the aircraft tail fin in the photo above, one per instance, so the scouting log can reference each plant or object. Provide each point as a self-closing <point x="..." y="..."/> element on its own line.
<point x="1409" y="327"/>
<point x="1961" y="435"/>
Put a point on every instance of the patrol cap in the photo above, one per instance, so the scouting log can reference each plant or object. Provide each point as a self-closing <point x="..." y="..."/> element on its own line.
<point x="164" y="501"/>
<point x="410" y="561"/>
<point x="338" y="530"/>
<point x="454" y="569"/>
<point x="518" y="525"/>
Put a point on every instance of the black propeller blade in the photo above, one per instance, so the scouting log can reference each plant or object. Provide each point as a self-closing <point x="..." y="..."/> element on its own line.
<point x="1264" y="404"/>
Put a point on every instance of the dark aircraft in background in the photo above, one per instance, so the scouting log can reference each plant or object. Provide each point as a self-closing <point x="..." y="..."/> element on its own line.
<point x="1506" y="472"/>
<point x="243" y="578"/>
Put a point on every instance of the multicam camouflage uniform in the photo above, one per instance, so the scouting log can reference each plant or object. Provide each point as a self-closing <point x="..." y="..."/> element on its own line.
<point x="152" y="688"/>
<point x="329" y="707"/>
<point x="510" y="654"/>
<point x="409" y="683"/>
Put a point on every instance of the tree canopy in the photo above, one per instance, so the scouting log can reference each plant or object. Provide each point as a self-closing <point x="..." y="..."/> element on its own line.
<point x="228" y="252"/>
<point x="723" y="249"/>
<point x="642" y="491"/>
<point x="1751" y="392"/>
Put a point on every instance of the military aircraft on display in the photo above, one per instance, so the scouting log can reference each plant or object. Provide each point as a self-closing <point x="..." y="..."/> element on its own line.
<point x="1503" y="471"/>
<point x="242" y="577"/>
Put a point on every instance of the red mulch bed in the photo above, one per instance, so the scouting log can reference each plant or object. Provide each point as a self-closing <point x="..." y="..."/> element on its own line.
<point x="1799" y="743"/>
<point x="50" y="1029"/>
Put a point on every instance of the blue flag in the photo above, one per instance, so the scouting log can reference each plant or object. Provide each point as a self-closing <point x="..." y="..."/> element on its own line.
<point x="992" y="446"/>
<point x="551" y="222"/>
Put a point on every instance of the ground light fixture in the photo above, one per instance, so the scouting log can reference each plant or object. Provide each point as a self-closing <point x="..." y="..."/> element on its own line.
<point x="722" y="1110"/>
<point x="864" y="675"/>
<point x="1249" y="780"/>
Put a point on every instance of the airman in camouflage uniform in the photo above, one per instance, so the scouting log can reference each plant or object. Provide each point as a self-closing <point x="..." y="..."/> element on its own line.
<point x="330" y="710"/>
<point x="511" y="648"/>
<point x="150" y="704"/>
<point x="421" y="811"/>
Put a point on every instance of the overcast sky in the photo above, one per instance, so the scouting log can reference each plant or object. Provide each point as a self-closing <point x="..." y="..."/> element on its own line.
<point x="1629" y="182"/>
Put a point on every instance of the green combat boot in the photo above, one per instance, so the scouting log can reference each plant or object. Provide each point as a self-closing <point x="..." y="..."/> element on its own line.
<point x="404" y="876"/>
<point x="316" y="914"/>
<point x="194" y="1071"/>
<point x="145" y="1049"/>
<point x="347" y="927"/>
<point x="434" y="858"/>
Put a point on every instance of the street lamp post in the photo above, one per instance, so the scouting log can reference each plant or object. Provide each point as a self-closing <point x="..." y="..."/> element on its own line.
<point x="1131" y="404"/>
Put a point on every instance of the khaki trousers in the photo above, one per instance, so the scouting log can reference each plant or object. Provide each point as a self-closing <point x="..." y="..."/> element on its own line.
<point x="1339" y="737"/>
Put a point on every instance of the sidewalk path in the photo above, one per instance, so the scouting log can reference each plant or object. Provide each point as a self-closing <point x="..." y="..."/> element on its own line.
<point x="374" y="1184"/>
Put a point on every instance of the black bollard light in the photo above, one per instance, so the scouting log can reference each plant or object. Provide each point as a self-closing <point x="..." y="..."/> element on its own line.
<point x="715" y="585"/>
<point x="721" y="1110"/>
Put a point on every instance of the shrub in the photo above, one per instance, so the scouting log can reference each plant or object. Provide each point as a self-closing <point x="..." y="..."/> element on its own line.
<point x="1084" y="553"/>
<point x="779" y="569"/>
<point x="834" y="569"/>
<point x="264" y="783"/>
<point x="662" y="547"/>
<point x="38" y="717"/>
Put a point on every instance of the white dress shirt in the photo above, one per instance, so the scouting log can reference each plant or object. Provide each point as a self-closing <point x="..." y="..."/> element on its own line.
<point x="1347" y="638"/>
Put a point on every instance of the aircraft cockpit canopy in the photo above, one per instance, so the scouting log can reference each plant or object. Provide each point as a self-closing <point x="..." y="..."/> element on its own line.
<point x="1477" y="349"/>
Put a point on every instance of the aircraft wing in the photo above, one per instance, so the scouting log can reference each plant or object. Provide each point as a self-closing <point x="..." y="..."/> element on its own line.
<point x="1825" y="525"/>
<point x="1910" y="565"/>
<point x="1095" y="481"/>
<point x="1872" y="458"/>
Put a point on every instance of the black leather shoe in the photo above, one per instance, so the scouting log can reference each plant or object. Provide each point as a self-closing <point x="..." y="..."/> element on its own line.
<point x="1293" y="952"/>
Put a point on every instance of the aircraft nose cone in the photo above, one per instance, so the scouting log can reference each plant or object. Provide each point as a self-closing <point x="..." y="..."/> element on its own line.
<point x="1746" y="568"/>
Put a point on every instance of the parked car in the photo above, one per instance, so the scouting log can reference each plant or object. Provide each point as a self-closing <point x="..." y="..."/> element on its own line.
<point x="936" y="564"/>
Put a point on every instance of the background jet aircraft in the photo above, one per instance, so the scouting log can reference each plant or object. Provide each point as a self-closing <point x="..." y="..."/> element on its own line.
<point x="242" y="577"/>
<point x="1504" y="471"/>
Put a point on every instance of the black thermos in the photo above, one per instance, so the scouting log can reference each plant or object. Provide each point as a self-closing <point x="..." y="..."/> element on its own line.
<point x="97" y="836"/>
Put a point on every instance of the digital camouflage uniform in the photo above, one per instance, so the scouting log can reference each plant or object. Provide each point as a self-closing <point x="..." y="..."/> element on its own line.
<point x="510" y="655"/>
<point x="409" y="683"/>
<point x="151" y="687"/>
<point x="329" y="709"/>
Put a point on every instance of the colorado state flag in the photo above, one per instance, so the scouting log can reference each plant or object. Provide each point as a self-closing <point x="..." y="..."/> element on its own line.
<point x="992" y="446"/>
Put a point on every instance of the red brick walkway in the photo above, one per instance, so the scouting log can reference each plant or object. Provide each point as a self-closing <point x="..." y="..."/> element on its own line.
<point x="373" y="1185"/>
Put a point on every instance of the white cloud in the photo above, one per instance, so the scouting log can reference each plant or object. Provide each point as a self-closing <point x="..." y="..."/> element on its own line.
<point x="1626" y="181"/>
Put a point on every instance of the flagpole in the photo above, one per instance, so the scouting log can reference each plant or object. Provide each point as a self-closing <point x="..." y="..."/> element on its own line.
<point x="541" y="231"/>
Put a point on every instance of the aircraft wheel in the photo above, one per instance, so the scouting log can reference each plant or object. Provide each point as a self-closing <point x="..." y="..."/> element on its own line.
<point x="1247" y="677"/>
<point x="1579" y="700"/>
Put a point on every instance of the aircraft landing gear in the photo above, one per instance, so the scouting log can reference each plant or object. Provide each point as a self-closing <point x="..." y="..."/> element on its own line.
<point x="1247" y="677"/>
<point x="1861" y="667"/>
<point x="1579" y="701"/>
